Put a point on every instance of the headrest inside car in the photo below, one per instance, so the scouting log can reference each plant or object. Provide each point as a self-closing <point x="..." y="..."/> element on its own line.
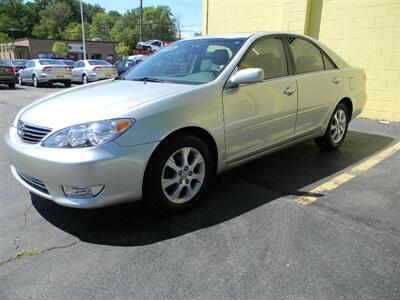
<point x="220" y="57"/>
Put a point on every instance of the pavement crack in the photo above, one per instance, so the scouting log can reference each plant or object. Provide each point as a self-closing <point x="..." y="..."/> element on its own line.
<point x="36" y="251"/>
<point x="23" y="227"/>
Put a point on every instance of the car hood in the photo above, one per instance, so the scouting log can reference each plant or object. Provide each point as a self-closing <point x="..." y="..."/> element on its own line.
<point x="97" y="101"/>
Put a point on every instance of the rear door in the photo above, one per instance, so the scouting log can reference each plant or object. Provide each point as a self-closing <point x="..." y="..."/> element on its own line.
<point x="319" y="84"/>
<point x="261" y="115"/>
<point x="77" y="71"/>
<point x="28" y="71"/>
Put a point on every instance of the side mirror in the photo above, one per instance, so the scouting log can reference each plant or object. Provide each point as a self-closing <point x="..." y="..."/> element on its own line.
<point x="246" y="76"/>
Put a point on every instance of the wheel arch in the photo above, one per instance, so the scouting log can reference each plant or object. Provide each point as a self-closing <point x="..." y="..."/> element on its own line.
<point x="197" y="131"/>
<point x="347" y="101"/>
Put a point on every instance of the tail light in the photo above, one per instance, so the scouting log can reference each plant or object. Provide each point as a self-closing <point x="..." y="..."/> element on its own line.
<point x="365" y="77"/>
<point x="95" y="69"/>
<point x="9" y="70"/>
<point x="68" y="68"/>
<point x="46" y="69"/>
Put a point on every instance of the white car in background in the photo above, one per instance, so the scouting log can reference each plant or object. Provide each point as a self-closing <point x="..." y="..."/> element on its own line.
<point x="86" y="71"/>
<point x="152" y="45"/>
<point x="39" y="71"/>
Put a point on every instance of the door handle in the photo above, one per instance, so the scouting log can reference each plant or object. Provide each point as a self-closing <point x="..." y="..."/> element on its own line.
<point x="336" y="80"/>
<point x="289" y="91"/>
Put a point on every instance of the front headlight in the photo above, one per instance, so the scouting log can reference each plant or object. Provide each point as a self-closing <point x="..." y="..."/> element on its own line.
<point x="88" y="134"/>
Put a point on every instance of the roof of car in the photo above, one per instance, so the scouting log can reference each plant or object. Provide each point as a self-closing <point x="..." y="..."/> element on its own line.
<point x="245" y="34"/>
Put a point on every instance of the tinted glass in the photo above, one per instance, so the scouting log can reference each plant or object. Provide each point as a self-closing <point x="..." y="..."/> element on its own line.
<point x="267" y="54"/>
<point x="50" y="62"/>
<point x="307" y="57"/>
<point x="19" y="62"/>
<point x="98" y="63"/>
<point x="5" y="62"/>
<point x="192" y="61"/>
<point x="328" y="64"/>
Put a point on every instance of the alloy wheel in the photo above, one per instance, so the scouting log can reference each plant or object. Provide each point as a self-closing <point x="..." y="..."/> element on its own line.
<point x="338" y="126"/>
<point x="183" y="175"/>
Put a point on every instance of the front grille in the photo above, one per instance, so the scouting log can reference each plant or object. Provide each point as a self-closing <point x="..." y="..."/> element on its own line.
<point x="31" y="133"/>
<point x="35" y="183"/>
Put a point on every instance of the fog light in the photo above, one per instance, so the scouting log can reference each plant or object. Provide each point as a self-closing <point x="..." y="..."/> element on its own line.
<point x="82" y="192"/>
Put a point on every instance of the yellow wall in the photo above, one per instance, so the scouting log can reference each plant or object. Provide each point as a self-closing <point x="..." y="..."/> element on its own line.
<point x="365" y="33"/>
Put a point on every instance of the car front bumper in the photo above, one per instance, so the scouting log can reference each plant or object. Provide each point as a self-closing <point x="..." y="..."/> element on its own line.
<point x="44" y="171"/>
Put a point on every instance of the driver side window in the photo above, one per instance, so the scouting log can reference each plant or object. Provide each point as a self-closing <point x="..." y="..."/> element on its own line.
<point x="267" y="54"/>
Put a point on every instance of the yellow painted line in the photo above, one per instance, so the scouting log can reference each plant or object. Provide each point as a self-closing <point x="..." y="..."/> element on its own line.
<point x="348" y="175"/>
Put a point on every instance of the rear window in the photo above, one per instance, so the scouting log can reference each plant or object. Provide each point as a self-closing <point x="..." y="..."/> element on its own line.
<point x="98" y="63"/>
<point x="19" y="62"/>
<point x="5" y="62"/>
<point x="50" y="62"/>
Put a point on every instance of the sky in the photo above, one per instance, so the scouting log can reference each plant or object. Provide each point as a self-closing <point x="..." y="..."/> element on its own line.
<point x="188" y="11"/>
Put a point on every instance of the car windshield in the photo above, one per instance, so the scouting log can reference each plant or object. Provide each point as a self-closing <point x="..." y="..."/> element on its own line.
<point x="19" y="62"/>
<point x="98" y="63"/>
<point x="50" y="62"/>
<point x="5" y="62"/>
<point x="189" y="62"/>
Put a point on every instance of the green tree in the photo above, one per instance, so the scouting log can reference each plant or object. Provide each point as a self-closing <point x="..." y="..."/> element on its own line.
<point x="60" y="49"/>
<point x="122" y="49"/>
<point x="53" y="20"/>
<point x="101" y="26"/>
<point x="4" y="38"/>
<point x="74" y="31"/>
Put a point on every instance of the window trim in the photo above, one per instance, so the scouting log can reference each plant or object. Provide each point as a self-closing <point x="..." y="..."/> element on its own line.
<point x="265" y="37"/>
<point x="323" y="53"/>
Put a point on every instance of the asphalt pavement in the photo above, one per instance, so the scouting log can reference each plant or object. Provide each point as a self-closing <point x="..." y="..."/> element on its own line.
<point x="248" y="239"/>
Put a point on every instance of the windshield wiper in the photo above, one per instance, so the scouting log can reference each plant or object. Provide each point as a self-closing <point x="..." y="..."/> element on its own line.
<point x="147" y="79"/>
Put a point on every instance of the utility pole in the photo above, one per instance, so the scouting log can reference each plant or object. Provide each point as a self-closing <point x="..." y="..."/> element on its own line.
<point x="83" y="33"/>
<point x="141" y="21"/>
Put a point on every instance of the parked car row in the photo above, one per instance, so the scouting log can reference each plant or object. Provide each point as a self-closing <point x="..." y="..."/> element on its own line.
<point x="47" y="71"/>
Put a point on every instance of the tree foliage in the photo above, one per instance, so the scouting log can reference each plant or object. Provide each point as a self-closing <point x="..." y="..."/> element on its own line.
<point x="60" y="19"/>
<point x="60" y="49"/>
<point x="122" y="49"/>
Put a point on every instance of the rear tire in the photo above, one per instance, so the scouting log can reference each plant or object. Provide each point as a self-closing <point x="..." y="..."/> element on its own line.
<point x="67" y="83"/>
<point x="336" y="130"/>
<point x="11" y="85"/>
<point x="172" y="183"/>
<point x="20" y="82"/>
<point x="35" y="81"/>
<point x="85" y="79"/>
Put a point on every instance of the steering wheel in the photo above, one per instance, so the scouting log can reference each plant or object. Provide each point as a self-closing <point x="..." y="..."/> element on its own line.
<point x="215" y="72"/>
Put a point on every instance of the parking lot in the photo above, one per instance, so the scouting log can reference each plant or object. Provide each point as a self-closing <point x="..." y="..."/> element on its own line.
<point x="250" y="237"/>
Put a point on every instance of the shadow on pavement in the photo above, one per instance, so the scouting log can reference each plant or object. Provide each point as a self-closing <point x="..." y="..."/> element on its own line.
<point x="243" y="189"/>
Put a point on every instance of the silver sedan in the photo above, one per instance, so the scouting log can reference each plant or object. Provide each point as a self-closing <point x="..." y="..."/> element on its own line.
<point x="193" y="110"/>
<point x="39" y="71"/>
<point x="86" y="71"/>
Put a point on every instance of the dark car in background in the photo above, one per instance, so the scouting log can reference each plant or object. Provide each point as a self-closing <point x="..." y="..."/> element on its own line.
<point x="126" y="64"/>
<point x="7" y="73"/>
<point x="17" y="64"/>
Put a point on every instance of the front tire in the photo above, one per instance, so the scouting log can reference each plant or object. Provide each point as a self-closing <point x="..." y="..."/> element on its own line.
<point x="20" y="82"/>
<point x="337" y="129"/>
<point x="178" y="174"/>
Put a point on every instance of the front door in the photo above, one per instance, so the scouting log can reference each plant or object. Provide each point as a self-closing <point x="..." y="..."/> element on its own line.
<point x="261" y="115"/>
